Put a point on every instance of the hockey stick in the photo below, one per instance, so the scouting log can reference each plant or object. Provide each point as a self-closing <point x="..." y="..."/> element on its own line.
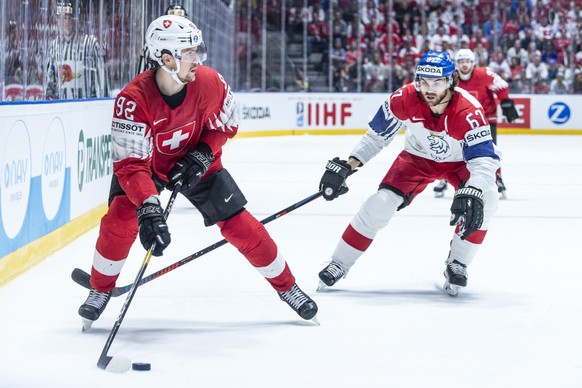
<point x="82" y="278"/>
<point x="119" y="363"/>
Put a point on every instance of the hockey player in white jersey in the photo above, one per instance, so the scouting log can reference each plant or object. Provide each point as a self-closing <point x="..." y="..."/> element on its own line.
<point x="447" y="137"/>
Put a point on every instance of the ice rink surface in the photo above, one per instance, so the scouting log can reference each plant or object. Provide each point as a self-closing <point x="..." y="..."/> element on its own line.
<point x="216" y="322"/>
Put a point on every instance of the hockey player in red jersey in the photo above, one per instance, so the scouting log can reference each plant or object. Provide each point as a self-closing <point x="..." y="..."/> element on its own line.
<point x="169" y="125"/>
<point x="488" y="88"/>
<point x="447" y="137"/>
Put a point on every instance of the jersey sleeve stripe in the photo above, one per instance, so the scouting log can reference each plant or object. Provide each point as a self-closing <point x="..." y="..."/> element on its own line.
<point x="385" y="124"/>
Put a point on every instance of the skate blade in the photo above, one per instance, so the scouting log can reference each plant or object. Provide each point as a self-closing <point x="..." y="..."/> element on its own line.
<point x="321" y="286"/>
<point x="451" y="289"/>
<point x="314" y="320"/>
<point x="502" y="195"/>
<point x="86" y="325"/>
<point x="439" y="195"/>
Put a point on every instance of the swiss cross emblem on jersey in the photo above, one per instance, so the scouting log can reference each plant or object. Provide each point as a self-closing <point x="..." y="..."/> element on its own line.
<point x="167" y="23"/>
<point x="174" y="141"/>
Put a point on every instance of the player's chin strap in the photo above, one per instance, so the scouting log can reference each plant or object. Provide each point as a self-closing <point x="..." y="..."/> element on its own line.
<point x="174" y="73"/>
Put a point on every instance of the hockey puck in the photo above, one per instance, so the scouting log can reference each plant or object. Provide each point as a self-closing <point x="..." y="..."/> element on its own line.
<point x="141" y="366"/>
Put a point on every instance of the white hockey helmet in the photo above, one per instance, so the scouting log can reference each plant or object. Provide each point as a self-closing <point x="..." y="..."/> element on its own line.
<point x="172" y="34"/>
<point x="465" y="54"/>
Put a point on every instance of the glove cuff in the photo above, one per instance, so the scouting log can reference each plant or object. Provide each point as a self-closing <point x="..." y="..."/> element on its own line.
<point x="203" y="155"/>
<point x="470" y="191"/>
<point x="340" y="167"/>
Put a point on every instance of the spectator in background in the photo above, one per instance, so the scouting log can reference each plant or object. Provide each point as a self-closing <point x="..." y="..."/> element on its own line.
<point x="493" y="26"/>
<point x="446" y="47"/>
<point x="338" y="54"/>
<point x="300" y="83"/>
<point x="552" y="69"/>
<point x="317" y="34"/>
<point x="341" y="81"/>
<point x="481" y="55"/>
<point x="517" y="51"/>
<point x="500" y="67"/>
<point x="558" y="85"/>
<point x="526" y="36"/>
<point x="537" y="71"/>
<point x="541" y="87"/>
<point x="75" y="67"/>
<point x="515" y="68"/>
<point x="578" y="81"/>
<point x="375" y="72"/>
<point x="436" y="41"/>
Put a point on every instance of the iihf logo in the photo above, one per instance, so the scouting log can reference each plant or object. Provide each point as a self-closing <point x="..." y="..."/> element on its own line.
<point x="559" y="113"/>
<point x="300" y="110"/>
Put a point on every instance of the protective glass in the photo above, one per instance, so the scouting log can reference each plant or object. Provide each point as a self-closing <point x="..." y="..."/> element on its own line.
<point x="196" y="54"/>
<point x="434" y="85"/>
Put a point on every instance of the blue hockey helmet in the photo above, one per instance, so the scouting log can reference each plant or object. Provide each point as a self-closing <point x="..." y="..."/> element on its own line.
<point x="435" y="64"/>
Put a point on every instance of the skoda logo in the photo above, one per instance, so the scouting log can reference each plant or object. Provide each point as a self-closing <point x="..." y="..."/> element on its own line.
<point x="559" y="113"/>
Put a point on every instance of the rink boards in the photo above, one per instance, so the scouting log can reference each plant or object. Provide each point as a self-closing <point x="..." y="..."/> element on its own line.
<point x="55" y="157"/>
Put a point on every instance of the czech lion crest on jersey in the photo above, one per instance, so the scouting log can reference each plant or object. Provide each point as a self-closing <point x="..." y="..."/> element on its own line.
<point x="174" y="141"/>
<point x="440" y="149"/>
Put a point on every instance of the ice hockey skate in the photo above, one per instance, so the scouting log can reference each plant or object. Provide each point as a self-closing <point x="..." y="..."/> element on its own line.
<point x="91" y="310"/>
<point x="440" y="188"/>
<point x="331" y="274"/>
<point x="300" y="302"/>
<point x="500" y="186"/>
<point x="456" y="277"/>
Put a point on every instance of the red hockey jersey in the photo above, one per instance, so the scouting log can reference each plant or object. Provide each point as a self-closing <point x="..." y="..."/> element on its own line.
<point x="148" y="136"/>
<point x="487" y="87"/>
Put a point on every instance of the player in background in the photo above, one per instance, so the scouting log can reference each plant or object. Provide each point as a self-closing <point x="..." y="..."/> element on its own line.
<point x="169" y="125"/>
<point x="447" y="137"/>
<point x="76" y="67"/>
<point x="487" y="87"/>
<point x="144" y="60"/>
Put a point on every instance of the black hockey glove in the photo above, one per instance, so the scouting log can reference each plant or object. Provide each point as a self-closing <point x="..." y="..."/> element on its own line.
<point x="467" y="210"/>
<point x="509" y="111"/>
<point x="333" y="181"/>
<point x="191" y="167"/>
<point x="152" y="226"/>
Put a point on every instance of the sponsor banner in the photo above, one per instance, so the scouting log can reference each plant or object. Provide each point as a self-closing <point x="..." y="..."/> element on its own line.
<point x="523" y="107"/>
<point x="302" y="112"/>
<point x="557" y="112"/>
<point x="337" y="112"/>
<point x="55" y="165"/>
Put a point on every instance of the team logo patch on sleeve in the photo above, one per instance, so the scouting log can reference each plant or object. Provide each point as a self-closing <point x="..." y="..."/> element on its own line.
<point x="478" y="136"/>
<point x="125" y="128"/>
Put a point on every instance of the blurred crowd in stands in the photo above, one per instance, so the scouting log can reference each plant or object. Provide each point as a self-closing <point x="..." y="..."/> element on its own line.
<point x="534" y="45"/>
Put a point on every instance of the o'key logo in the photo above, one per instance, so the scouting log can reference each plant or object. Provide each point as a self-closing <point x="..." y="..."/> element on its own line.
<point x="559" y="113"/>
